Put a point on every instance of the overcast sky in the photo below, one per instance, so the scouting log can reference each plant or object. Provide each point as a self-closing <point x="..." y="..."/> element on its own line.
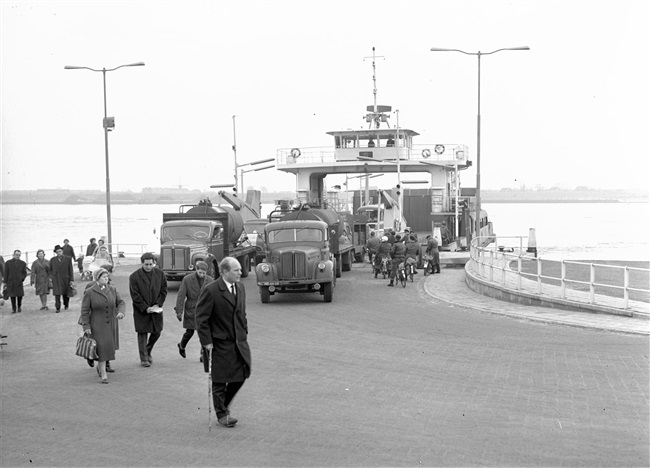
<point x="571" y="111"/>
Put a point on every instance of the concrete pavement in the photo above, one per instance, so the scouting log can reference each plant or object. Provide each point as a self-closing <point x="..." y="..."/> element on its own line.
<point x="450" y="287"/>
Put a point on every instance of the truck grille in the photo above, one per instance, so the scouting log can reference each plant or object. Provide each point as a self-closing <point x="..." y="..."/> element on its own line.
<point x="174" y="259"/>
<point x="293" y="265"/>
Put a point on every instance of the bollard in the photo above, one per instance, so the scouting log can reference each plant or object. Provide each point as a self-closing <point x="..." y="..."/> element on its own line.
<point x="532" y="242"/>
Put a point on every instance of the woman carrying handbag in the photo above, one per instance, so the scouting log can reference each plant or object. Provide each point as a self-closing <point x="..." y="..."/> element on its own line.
<point x="100" y="308"/>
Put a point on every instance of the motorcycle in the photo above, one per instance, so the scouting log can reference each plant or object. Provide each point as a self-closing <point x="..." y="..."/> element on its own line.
<point x="383" y="267"/>
<point x="410" y="268"/>
<point x="401" y="274"/>
<point x="427" y="263"/>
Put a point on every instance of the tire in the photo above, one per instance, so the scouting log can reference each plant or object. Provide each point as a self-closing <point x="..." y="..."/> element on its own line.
<point x="403" y="279"/>
<point x="265" y="295"/>
<point x="337" y="268"/>
<point x="327" y="292"/>
<point x="245" y="263"/>
<point x="213" y="270"/>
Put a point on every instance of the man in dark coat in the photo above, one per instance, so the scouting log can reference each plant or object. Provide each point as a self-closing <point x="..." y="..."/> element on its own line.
<point x="90" y="250"/>
<point x="62" y="276"/>
<point x="186" y="300"/>
<point x="148" y="288"/>
<point x="15" y="274"/>
<point x="397" y="255"/>
<point x="223" y="329"/>
<point x="68" y="250"/>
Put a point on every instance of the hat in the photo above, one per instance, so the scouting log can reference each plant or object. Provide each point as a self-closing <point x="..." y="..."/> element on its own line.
<point x="444" y="224"/>
<point x="57" y="247"/>
<point x="384" y="239"/>
<point x="99" y="272"/>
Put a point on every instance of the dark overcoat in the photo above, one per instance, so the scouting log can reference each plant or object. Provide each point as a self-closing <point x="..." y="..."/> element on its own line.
<point x="147" y="291"/>
<point x="188" y="297"/>
<point x="68" y="250"/>
<point x="40" y="277"/>
<point x="99" y="310"/>
<point x="221" y="320"/>
<point x="15" y="274"/>
<point x="62" y="274"/>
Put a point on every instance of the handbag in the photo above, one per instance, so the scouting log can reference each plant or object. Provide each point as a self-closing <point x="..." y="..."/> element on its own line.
<point x="72" y="291"/>
<point x="86" y="348"/>
<point x="5" y="292"/>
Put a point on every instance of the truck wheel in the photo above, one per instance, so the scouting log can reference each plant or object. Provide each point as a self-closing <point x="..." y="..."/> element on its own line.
<point x="245" y="263"/>
<point x="265" y="295"/>
<point x="327" y="292"/>
<point x="347" y="261"/>
<point x="337" y="268"/>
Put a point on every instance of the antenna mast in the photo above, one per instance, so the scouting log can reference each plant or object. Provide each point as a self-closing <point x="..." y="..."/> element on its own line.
<point x="376" y="113"/>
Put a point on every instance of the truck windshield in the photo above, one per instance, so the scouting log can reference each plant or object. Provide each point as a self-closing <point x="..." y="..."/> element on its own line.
<point x="191" y="231"/>
<point x="292" y="235"/>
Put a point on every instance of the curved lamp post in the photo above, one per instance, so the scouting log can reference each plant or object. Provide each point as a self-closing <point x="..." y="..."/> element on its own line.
<point x="478" y="124"/>
<point x="109" y="124"/>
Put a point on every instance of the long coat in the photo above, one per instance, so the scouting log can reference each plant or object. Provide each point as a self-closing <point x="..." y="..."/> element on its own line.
<point x="221" y="320"/>
<point x="145" y="293"/>
<point x="188" y="297"/>
<point x="15" y="274"/>
<point x="99" y="310"/>
<point x="62" y="274"/>
<point x="40" y="277"/>
<point x="68" y="250"/>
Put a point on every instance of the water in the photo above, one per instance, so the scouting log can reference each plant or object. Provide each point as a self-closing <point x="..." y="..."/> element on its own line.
<point x="575" y="231"/>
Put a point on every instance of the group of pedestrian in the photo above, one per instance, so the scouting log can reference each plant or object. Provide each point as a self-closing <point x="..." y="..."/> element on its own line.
<point x="55" y="275"/>
<point x="215" y="309"/>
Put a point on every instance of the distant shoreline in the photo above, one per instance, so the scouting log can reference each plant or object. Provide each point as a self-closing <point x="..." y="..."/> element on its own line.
<point x="176" y="202"/>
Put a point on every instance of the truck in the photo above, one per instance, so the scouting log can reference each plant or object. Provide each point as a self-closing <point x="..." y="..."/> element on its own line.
<point x="298" y="259"/>
<point x="340" y="233"/>
<point x="204" y="232"/>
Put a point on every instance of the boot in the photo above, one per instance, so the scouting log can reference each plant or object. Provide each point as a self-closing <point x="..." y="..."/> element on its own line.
<point x="391" y="283"/>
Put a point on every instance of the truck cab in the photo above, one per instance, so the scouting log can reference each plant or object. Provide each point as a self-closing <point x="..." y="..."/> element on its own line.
<point x="183" y="243"/>
<point x="298" y="259"/>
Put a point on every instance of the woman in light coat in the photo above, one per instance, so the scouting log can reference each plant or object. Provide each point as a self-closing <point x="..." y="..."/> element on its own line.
<point x="188" y="297"/>
<point x="101" y="304"/>
<point x="40" y="277"/>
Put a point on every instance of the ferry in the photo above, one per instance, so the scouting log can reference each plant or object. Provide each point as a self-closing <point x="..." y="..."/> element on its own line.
<point x="444" y="209"/>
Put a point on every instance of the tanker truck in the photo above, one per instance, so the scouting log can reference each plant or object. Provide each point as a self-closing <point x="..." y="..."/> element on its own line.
<point x="203" y="232"/>
<point x="340" y="233"/>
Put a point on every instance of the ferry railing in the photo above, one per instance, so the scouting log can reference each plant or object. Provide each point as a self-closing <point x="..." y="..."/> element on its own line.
<point x="507" y="263"/>
<point x="451" y="153"/>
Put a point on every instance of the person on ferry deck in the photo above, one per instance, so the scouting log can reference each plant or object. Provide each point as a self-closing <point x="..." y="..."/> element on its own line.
<point x="62" y="276"/>
<point x="371" y="144"/>
<point x="40" y="277"/>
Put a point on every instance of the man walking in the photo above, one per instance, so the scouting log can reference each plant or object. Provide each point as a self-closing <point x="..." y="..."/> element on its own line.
<point x="186" y="300"/>
<point x="397" y="255"/>
<point x="148" y="287"/>
<point x="223" y="329"/>
<point x="15" y="274"/>
<point x="62" y="277"/>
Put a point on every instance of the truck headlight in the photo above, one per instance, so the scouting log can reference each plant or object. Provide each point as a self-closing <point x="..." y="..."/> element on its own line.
<point x="265" y="268"/>
<point x="191" y="266"/>
<point x="321" y="266"/>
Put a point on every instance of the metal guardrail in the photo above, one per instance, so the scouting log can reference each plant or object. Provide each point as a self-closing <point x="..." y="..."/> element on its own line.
<point x="119" y="251"/>
<point x="495" y="263"/>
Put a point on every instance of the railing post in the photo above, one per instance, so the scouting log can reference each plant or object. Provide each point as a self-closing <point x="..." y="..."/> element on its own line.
<point x="539" y="275"/>
<point x="562" y="278"/>
<point x="592" y="280"/>
<point x="626" y="285"/>
<point x="519" y="271"/>
<point x="491" y="266"/>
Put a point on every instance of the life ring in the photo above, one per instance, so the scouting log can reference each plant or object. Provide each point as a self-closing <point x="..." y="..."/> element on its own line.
<point x="295" y="152"/>
<point x="439" y="149"/>
<point x="426" y="152"/>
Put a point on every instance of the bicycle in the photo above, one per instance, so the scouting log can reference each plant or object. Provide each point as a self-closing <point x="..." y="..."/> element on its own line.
<point x="427" y="264"/>
<point x="401" y="274"/>
<point x="383" y="267"/>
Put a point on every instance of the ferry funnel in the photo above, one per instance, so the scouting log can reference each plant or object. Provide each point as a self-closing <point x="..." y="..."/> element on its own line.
<point x="532" y="242"/>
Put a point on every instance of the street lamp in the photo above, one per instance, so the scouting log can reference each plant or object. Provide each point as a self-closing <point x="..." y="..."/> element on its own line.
<point x="254" y="169"/>
<point x="109" y="124"/>
<point x="478" y="124"/>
